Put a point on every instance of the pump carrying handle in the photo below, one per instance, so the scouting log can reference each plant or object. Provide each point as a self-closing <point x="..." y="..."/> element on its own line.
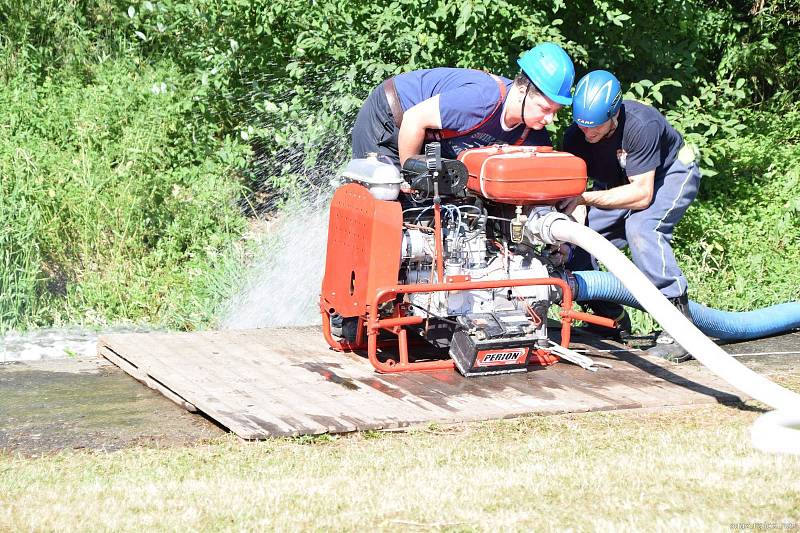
<point x="433" y="158"/>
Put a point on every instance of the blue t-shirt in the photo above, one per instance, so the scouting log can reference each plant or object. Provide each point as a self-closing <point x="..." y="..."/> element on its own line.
<point x="643" y="141"/>
<point x="466" y="98"/>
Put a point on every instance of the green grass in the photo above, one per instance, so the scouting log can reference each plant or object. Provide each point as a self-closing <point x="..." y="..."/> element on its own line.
<point x="739" y="241"/>
<point x="684" y="469"/>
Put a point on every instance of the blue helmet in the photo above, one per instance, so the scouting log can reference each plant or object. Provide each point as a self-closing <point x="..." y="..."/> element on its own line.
<point x="597" y="98"/>
<point x="549" y="68"/>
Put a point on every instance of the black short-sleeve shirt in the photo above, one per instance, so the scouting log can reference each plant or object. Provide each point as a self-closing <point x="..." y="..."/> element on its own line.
<point x="643" y="141"/>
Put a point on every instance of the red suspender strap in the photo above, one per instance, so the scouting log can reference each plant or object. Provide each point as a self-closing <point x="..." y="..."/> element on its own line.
<point x="435" y="135"/>
<point x="522" y="137"/>
<point x="449" y="134"/>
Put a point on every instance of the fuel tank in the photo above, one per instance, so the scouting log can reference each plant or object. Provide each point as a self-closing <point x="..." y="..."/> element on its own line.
<point x="523" y="175"/>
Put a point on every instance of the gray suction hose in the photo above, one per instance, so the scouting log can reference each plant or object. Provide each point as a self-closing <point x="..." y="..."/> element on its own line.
<point x="782" y="425"/>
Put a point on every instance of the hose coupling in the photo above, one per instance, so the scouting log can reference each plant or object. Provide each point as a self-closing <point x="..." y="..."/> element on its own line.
<point x="540" y="224"/>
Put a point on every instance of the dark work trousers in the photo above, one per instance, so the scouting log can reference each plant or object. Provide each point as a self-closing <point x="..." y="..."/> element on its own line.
<point x="374" y="130"/>
<point x="647" y="233"/>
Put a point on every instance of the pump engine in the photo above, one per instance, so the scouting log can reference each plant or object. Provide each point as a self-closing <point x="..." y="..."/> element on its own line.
<point x="453" y="261"/>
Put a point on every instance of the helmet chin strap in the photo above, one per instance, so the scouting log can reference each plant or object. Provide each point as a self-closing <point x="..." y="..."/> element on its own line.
<point x="613" y="129"/>
<point x="522" y="112"/>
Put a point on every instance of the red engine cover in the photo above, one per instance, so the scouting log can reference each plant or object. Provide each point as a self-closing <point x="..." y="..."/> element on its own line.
<point x="523" y="175"/>
<point x="364" y="240"/>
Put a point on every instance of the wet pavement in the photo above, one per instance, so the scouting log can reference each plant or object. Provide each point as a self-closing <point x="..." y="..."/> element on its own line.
<point x="771" y="356"/>
<point x="87" y="403"/>
<point x="47" y="406"/>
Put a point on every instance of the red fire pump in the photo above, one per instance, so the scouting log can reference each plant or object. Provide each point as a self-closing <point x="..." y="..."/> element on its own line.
<point x="452" y="262"/>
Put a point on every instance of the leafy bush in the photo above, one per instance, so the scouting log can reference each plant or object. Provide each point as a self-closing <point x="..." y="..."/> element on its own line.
<point x="140" y="133"/>
<point x="290" y="76"/>
<point x="110" y="207"/>
<point x="740" y="244"/>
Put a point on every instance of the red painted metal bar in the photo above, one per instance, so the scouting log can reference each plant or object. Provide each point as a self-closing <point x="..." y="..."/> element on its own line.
<point x="437" y="236"/>
<point x="391" y="366"/>
<point x="344" y="346"/>
<point x="388" y="323"/>
<point x="402" y="346"/>
<point x="326" y="332"/>
<point x="592" y="319"/>
<point x="385" y="294"/>
<point x="374" y="324"/>
<point x="360" y="332"/>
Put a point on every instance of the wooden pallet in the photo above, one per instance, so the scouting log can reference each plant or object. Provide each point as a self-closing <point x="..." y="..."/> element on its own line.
<point x="275" y="382"/>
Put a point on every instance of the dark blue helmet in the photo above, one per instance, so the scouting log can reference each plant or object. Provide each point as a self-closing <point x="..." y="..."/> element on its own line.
<point x="597" y="98"/>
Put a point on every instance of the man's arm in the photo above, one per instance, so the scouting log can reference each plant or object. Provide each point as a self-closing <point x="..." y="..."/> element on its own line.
<point x="424" y="115"/>
<point x="636" y="195"/>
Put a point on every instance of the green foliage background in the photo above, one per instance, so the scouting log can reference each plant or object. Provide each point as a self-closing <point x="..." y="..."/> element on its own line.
<point x="139" y="136"/>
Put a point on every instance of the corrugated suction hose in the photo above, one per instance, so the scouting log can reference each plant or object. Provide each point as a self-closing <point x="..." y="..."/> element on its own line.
<point x="723" y="325"/>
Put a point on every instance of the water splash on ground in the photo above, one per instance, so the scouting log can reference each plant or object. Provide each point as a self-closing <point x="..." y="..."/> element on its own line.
<point x="52" y="343"/>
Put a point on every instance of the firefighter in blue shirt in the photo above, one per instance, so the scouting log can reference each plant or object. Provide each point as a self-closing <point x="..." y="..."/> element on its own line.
<point x="464" y="108"/>
<point x="644" y="179"/>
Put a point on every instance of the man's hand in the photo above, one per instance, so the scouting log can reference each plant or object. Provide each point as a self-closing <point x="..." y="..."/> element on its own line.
<point x="568" y="205"/>
<point x="636" y="195"/>
<point x="560" y="254"/>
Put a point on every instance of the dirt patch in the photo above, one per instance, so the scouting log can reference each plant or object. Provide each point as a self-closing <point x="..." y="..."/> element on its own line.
<point x="73" y="404"/>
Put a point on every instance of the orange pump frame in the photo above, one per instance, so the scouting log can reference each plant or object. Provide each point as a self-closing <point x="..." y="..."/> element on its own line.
<point x="361" y="273"/>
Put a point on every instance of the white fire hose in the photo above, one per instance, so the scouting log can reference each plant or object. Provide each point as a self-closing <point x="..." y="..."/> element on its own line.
<point x="776" y="431"/>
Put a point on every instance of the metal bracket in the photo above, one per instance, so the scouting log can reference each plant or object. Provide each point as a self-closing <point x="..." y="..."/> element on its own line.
<point x="583" y="361"/>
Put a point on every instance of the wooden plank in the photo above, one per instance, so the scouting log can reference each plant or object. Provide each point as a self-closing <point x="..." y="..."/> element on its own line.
<point x="339" y="394"/>
<point x="460" y="398"/>
<point x="682" y="384"/>
<point x="200" y="383"/>
<point x="358" y="374"/>
<point x="156" y="356"/>
<point x="133" y="370"/>
<point x="262" y="383"/>
<point x="284" y="392"/>
<point x="243" y="391"/>
<point x="695" y="383"/>
<point x="279" y="413"/>
<point x="574" y="384"/>
<point x="673" y="384"/>
<point x="427" y="387"/>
